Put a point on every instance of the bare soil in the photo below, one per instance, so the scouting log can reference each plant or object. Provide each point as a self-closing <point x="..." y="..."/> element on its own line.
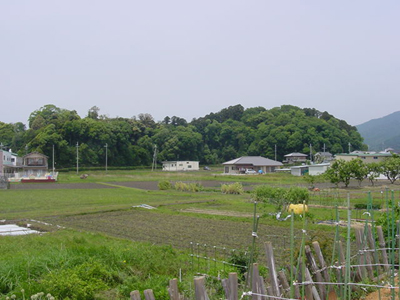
<point x="178" y="230"/>
<point x="57" y="186"/>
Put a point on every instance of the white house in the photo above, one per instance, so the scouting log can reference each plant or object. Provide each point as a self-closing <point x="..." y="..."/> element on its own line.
<point x="9" y="163"/>
<point x="180" y="165"/>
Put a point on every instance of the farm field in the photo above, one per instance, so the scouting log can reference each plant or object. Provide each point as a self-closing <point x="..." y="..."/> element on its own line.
<point x="97" y="214"/>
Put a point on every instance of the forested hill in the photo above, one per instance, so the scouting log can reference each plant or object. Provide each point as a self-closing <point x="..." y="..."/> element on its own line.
<point x="214" y="138"/>
<point x="382" y="133"/>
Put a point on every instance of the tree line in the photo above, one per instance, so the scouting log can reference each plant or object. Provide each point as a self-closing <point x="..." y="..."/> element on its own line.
<point x="212" y="139"/>
<point x="342" y="171"/>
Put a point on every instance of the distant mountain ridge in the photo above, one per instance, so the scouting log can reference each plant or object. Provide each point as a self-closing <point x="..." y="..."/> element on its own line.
<point x="382" y="133"/>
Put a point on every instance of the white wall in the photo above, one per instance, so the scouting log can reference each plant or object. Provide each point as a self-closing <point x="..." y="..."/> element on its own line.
<point x="180" y="166"/>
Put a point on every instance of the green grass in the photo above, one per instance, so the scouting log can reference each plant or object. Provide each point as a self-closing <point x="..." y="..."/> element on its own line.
<point x="86" y="266"/>
<point x="19" y="204"/>
<point x="110" y="268"/>
<point x="145" y="175"/>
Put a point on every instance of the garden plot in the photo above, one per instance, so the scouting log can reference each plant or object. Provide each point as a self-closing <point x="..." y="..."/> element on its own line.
<point x="178" y="230"/>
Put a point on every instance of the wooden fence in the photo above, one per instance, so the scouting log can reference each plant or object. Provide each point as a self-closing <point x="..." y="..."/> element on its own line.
<point x="313" y="278"/>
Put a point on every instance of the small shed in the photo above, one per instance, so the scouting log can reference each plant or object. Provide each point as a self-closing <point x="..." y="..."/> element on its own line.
<point x="299" y="170"/>
<point x="180" y="166"/>
<point x="318" y="169"/>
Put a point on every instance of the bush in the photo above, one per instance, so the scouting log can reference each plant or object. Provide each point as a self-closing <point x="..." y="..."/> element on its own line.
<point x="234" y="188"/>
<point x="188" y="187"/>
<point x="281" y="196"/>
<point x="81" y="282"/>
<point x="365" y="206"/>
<point x="164" y="185"/>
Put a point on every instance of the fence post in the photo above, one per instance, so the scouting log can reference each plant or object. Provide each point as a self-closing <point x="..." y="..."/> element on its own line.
<point x="382" y="245"/>
<point x="148" y="294"/>
<point x="271" y="267"/>
<point x="135" y="295"/>
<point x="315" y="271"/>
<point x="173" y="289"/>
<point x="200" y="288"/>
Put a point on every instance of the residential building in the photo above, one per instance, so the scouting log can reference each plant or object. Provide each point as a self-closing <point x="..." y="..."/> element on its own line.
<point x="256" y="163"/>
<point x="10" y="163"/>
<point x="180" y="166"/>
<point x="295" y="157"/>
<point x="366" y="157"/>
<point x="35" y="164"/>
<point x="321" y="157"/>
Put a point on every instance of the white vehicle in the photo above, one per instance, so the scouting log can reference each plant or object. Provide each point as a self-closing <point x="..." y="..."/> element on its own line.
<point x="250" y="171"/>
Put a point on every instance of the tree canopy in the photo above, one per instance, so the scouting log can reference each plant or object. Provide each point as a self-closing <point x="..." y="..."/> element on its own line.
<point x="214" y="138"/>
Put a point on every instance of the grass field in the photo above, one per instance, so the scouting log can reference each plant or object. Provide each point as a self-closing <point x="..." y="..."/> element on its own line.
<point x="129" y="248"/>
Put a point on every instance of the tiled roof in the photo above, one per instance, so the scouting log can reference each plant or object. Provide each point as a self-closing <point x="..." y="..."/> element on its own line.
<point x="253" y="160"/>
<point x="295" y="154"/>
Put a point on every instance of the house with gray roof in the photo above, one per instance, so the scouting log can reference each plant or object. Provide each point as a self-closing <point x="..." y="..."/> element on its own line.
<point x="256" y="163"/>
<point x="321" y="157"/>
<point x="295" y="157"/>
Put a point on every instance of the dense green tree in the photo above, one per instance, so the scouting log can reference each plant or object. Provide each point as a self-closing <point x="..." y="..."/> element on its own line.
<point x="391" y="168"/>
<point x="214" y="138"/>
<point x="6" y="134"/>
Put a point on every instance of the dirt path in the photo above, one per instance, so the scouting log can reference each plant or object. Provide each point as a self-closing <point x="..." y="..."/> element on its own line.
<point x="217" y="212"/>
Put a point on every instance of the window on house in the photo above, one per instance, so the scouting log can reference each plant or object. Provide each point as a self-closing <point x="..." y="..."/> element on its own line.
<point x="375" y="157"/>
<point x="189" y="166"/>
<point x="363" y="157"/>
<point x="181" y="165"/>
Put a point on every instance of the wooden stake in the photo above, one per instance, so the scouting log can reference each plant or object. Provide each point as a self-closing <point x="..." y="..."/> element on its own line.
<point x="382" y="245"/>
<point x="200" y="288"/>
<point x="315" y="271"/>
<point x="135" y="295"/>
<point x="272" y="270"/>
<point x="148" y="294"/>
<point x="173" y="289"/>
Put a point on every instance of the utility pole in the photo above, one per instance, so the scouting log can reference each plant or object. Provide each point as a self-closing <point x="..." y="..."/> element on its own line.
<point x="77" y="158"/>
<point x="324" y="148"/>
<point x="275" y="152"/>
<point x="1" y="146"/>
<point x="154" y="165"/>
<point x="106" y="146"/>
<point x="53" y="159"/>
<point x="349" y="147"/>
<point x="26" y="149"/>
<point x="310" y="153"/>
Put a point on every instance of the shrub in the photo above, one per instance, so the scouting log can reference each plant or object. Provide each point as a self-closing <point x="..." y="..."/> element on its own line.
<point x="80" y="282"/>
<point x="188" y="187"/>
<point x="234" y="188"/>
<point x="365" y="206"/>
<point x="281" y="196"/>
<point x="180" y="186"/>
<point x="164" y="185"/>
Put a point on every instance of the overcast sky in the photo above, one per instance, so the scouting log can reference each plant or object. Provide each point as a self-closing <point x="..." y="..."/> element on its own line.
<point x="190" y="58"/>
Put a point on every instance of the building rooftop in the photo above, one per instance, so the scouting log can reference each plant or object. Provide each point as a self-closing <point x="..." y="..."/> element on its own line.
<point x="253" y="160"/>
<point x="363" y="154"/>
<point x="296" y="154"/>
